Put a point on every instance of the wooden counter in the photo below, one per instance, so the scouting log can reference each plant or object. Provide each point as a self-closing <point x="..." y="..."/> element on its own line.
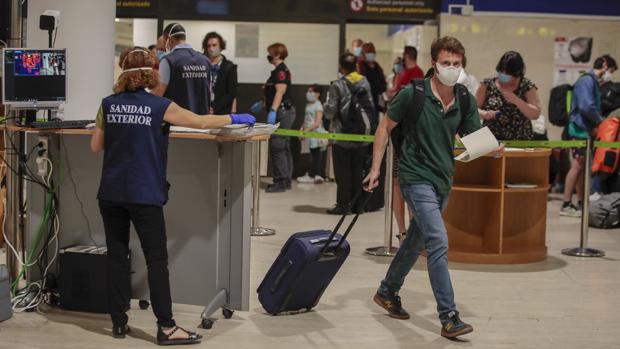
<point x="488" y="223"/>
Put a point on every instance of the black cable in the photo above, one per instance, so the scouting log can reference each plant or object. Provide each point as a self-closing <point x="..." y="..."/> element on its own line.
<point x="55" y="33"/>
<point x="22" y="164"/>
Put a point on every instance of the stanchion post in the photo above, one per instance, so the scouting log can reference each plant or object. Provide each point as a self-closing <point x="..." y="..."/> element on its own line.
<point x="387" y="250"/>
<point x="256" y="229"/>
<point x="583" y="250"/>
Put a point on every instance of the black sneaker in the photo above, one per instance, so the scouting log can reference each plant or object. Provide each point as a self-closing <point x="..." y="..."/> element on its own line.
<point x="276" y="188"/>
<point x="392" y="304"/>
<point x="120" y="331"/>
<point x="339" y="210"/>
<point x="452" y="326"/>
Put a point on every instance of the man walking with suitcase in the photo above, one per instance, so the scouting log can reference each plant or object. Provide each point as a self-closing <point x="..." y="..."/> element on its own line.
<point x="426" y="171"/>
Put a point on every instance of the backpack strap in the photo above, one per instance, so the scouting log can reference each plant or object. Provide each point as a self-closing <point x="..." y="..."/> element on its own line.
<point x="411" y="121"/>
<point x="462" y="97"/>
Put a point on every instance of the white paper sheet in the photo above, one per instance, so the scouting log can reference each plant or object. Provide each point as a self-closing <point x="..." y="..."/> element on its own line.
<point x="258" y="129"/>
<point x="478" y="144"/>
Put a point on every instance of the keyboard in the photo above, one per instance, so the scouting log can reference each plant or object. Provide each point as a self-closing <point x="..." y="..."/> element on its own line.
<point x="45" y="125"/>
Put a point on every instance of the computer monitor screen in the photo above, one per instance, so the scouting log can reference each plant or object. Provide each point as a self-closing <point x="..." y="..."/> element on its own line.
<point x="34" y="78"/>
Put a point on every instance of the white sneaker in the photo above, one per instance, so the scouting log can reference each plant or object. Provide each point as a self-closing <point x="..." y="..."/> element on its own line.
<point x="318" y="180"/>
<point x="305" y="179"/>
<point x="570" y="211"/>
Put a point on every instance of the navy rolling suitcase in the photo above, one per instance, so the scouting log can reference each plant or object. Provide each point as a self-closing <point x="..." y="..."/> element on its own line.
<point x="306" y="265"/>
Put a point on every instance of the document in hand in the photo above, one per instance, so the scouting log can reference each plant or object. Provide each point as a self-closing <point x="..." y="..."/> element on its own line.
<point x="478" y="144"/>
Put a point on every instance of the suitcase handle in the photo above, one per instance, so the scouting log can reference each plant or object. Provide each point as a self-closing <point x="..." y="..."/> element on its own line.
<point x="349" y="228"/>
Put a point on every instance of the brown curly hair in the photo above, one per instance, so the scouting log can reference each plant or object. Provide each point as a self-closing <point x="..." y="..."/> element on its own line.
<point x="136" y="57"/>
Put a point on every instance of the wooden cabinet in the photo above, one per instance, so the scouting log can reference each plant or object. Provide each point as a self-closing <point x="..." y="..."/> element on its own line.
<point x="489" y="223"/>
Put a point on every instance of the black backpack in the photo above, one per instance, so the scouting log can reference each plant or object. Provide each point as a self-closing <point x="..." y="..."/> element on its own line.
<point x="560" y="103"/>
<point x="560" y="100"/>
<point x="610" y="97"/>
<point x="407" y="126"/>
<point x="360" y="117"/>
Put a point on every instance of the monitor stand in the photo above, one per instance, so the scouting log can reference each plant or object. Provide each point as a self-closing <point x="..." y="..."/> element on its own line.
<point x="31" y="117"/>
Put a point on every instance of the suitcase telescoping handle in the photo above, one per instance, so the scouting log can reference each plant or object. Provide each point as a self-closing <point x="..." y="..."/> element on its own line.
<point x="351" y="225"/>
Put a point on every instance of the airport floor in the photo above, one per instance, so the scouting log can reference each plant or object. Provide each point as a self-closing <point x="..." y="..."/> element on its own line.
<point x="563" y="302"/>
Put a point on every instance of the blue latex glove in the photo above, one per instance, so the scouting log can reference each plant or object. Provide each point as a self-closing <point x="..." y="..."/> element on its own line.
<point x="271" y="117"/>
<point x="242" y="119"/>
<point x="257" y="107"/>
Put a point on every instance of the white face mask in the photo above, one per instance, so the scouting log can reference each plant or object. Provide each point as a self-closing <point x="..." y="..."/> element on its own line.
<point x="447" y="75"/>
<point x="213" y="52"/>
<point x="310" y="97"/>
<point x="606" y="76"/>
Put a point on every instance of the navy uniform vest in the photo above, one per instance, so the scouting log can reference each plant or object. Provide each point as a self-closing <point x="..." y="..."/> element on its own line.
<point x="189" y="80"/>
<point x="135" y="149"/>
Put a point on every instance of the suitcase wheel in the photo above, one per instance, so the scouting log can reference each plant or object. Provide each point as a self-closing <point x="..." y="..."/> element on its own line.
<point x="207" y="324"/>
<point x="227" y="313"/>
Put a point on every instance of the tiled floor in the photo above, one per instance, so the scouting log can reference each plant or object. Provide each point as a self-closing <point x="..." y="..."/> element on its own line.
<point x="562" y="302"/>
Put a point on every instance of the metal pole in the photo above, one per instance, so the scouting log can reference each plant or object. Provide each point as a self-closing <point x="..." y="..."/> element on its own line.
<point x="256" y="229"/>
<point x="11" y="156"/>
<point x="583" y="250"/>
<point x="387" y="250"/>
<point x="12" y="203"/>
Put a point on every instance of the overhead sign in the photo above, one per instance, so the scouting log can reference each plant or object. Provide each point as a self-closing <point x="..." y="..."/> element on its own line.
<point x="258" y="10"/>
<point x="125" y="8"/>
<point x="394" y="9"/>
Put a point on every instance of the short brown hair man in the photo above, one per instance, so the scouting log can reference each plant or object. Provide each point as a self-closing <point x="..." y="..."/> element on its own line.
<point x="425" y="175"/>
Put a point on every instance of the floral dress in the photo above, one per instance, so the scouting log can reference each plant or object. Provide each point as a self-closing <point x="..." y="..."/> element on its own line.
<point x="511" y="124"/>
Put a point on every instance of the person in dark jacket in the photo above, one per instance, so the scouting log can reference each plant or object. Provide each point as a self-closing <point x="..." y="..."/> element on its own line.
<point x="222" y="75"/>
<point x="133" y="189"/>
<point x="280" y="103"/>
<point x="348" y="157"/>
<point x="370" y="68"/>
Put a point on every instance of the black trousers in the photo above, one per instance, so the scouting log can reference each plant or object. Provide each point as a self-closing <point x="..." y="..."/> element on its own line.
<point x="348" y="169"/>
<point x="151" y="228"/>
<point x="317" y="162"/>
<point x="280" y="148"/>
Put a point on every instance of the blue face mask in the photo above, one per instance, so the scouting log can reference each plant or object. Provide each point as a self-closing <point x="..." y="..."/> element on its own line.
<point x="160" y="54"/>
<point x="503" y="78"/>
<point x="370" y="57"/>
<point x="398" y="68"/>
<point x="357" y="51"/>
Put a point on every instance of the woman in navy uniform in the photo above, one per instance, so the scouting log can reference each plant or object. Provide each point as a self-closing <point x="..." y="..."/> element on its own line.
<point x="131" y="130"/>
<point x="281" y="109"/>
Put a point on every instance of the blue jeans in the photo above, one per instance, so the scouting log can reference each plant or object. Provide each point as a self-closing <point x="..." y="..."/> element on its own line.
<point x="426" y="230"/>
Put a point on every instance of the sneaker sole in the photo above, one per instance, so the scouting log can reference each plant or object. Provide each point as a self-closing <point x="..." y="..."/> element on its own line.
<point x="379" y="303"/>
<point x="564" y="214"/>
<point x="452" y="335"/>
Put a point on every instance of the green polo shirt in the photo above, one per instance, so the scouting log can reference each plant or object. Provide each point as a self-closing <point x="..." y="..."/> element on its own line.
<point x="435" y="130"/>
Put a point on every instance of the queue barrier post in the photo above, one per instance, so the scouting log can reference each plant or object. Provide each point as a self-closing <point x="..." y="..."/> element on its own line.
<point x="387" y="250"/>
<point x="256" y="229"/>
<point x="583" y="250"/>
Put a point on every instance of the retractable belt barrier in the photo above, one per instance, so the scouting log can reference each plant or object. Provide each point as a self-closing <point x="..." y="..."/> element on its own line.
<point x="387" y="250"/>
<point x="515" y="144"/>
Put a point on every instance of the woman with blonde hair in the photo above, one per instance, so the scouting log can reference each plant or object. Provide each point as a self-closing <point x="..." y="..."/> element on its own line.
<point x="132" y="131"/>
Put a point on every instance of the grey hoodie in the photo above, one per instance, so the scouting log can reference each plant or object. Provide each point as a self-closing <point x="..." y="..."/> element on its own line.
<point x="338" y="100"/>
